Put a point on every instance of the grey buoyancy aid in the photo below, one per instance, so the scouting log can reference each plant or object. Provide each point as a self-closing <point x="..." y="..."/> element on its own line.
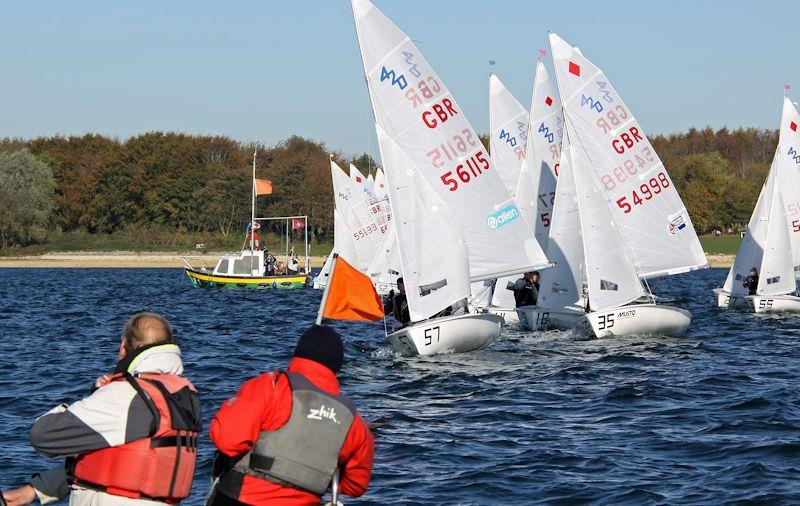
<point x="304" y="453"/>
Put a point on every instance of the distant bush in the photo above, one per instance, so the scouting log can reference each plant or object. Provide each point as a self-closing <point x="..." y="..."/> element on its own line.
<point x="26" y="198"/>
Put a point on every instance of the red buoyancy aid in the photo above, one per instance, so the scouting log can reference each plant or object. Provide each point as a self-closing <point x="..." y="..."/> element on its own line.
<point x="161" y="466"/>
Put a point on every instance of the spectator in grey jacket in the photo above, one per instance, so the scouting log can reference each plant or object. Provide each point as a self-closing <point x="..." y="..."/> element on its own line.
<point x="124" y="408"/>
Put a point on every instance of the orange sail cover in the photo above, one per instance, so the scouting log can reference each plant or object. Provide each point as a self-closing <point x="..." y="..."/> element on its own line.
<point x="263" y="187"/>
<point x="351" y="295"/>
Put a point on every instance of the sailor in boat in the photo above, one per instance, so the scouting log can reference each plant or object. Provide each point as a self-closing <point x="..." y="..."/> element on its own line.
<point x="397" y="304"/>
<point x="259" y="431"/>
<point x="115" y="437"/>
<point x="751" y="282"/>
<point x="280" y="269"/>
<point x="526" y="289"/>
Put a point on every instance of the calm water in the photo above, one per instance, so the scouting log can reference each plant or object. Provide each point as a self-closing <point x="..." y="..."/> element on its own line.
<point x="708" y="417"/>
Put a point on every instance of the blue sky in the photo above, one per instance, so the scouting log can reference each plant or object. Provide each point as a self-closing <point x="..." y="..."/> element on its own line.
<point x="270" y="69"/>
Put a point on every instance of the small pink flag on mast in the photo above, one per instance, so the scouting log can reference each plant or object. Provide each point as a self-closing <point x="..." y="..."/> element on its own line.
<point x="786" y="87"/>
<point x="542" y="53"/>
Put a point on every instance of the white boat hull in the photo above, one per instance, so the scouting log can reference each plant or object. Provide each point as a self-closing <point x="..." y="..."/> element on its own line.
<point x="539" y="318"/>
<point x="509" y="315"/>
<point x="449" y="334"/>
<point x="775" y="303"/>
<point x="637" y="319"/>
<point x="726" y="300"/>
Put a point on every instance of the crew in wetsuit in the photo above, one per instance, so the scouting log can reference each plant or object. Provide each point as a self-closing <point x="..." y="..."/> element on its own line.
<point x="526" y="289"/>
<point x="751" y="281"/>
<point x="397" y="304"/>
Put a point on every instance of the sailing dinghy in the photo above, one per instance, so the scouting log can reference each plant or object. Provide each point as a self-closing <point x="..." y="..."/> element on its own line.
<point x="455" y="220"/>
<point x="768" y="243"/>
<point x="535" y="185"/>
<point x="633" y="223"/>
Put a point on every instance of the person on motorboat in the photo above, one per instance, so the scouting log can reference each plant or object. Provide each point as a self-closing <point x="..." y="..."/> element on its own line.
<point x="397" y="304"/>
<point x="294" y="263"/>
<point x="283" y="435"/>
<point x="751" y="281"/>
<point x="526" y="289"/>
<point x="270" y="267"/>
<point x="145" y="416"/>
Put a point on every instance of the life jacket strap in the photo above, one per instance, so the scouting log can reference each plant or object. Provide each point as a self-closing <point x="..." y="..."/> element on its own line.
<point x="188" y="441"/>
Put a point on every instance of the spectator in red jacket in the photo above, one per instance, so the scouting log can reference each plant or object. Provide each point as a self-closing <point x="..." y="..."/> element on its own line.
<point x="283" y="434"/>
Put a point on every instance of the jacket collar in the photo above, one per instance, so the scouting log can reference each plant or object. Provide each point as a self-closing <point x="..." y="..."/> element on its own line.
<point x="316" y="373"/>
<point x="153" y="359"/>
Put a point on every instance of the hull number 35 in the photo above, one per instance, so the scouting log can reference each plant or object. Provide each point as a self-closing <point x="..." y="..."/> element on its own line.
<point x="605" y="321"/>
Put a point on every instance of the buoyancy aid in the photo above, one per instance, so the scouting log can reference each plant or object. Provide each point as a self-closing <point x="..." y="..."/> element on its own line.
<point x="303" y="453"/>
<point x="161" y="466"/>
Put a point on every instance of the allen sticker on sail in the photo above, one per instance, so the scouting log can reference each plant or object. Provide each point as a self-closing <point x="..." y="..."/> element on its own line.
<point x="503" y="216"/>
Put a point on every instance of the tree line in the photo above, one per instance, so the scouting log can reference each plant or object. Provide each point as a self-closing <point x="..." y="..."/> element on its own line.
<point x="201" y="184"/>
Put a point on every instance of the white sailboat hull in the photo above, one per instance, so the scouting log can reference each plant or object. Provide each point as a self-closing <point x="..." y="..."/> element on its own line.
<point x="775" y="303"/>
<point x="726" y="300"/>
<point x="449" y="334"/>
<point x="539" y="318"/>
<point x="509" y="315"/>
<point x="639" y="320"/>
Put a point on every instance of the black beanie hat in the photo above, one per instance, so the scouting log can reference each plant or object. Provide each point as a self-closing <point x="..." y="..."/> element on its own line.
<point x="321" y="344"/>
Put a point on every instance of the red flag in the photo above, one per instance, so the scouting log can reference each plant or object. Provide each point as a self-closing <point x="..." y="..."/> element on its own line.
<point x="298" y="224"/>
<point x="263" y="187"/>
<point x="542" y="53"/>
<point x="548" y="101"/>
<point x="351" y="295"/>
<point x="574" y="68"/>
<point x="793" y="126"/>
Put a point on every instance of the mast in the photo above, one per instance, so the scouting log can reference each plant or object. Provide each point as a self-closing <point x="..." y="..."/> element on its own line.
<point x="253" y="201"/>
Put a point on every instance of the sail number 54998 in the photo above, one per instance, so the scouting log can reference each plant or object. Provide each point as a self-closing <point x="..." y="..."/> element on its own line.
<point x="465" y="172"/>
<point x="648" y="191"/>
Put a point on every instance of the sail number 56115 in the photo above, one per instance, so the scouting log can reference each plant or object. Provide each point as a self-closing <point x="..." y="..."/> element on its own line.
<point x="465" y="172"/>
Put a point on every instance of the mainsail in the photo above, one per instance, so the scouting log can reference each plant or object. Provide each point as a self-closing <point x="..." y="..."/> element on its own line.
<point x="426" y="234"/>
<point x="789" y="173"/>
<point x="536" y="189"/>
<point x="508" y="127"/>
<point x="624" y="165"/>
<point x="418" y="113"/>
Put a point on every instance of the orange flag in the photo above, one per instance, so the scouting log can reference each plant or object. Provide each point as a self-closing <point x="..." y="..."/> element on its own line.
<point x="263" y="187"/>
<point x="351" y="295"/>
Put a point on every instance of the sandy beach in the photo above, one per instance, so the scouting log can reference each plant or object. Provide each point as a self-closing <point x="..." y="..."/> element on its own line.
<point x="146" y="259"/>
<point x="117" y="259"/>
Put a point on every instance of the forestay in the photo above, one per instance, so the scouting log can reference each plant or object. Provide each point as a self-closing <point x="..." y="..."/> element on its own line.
<point x="626" y="168"/>
<point x="508" y="127"/>
<point x="789" y="173"/>
<point x="537" y="182"/>
<point x="433" y="255"/>
<point x="562" y="286"/>
<point x="416" y="110"/>
<point x="611" y="275"/>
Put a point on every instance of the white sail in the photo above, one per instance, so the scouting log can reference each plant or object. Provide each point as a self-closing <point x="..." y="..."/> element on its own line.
<point x="537" y="182"/>
<point x="508" y="130"/>
<point x="358" y="178"/>
<point x="562" y="286"/>
<point x="766" y="245"/>
<point x="776" y="276"/>
<point x="610" y="270"/>
<point x="789" y="173"/>
<point x="370" y="182"/>
<point x="626" y="167"/>
<point x="426" y="234"/>
<point x="419" y="114"/>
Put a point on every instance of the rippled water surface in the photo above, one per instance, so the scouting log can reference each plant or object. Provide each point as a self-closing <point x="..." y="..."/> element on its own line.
<point x="707" y="417"/>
